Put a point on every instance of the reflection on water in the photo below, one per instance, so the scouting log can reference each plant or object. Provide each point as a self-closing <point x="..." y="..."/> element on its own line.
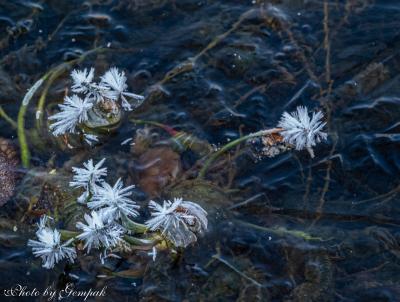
<point x="287" y="228"/>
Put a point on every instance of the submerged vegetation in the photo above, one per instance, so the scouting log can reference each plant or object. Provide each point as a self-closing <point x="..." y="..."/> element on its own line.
<point x="112" y="210"/>
<point x="257" y="163"/>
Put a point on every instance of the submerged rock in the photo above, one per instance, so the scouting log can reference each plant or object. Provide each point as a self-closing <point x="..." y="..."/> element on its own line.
<point x="8" y="175"/>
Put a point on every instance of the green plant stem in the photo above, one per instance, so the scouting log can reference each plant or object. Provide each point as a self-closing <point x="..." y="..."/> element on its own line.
<point x="143" y="122"/>
<point x="166" y="128"/>
<point x="139" y="241"/>
<point x="232" y="144"/>
<point x="66" y="234"/>
<point x="7" y="118"/>
<point x="279" y="231"/>
<point x="54" y="74"/>
<point x="133" y="226"/>
<point x="25" y="154"/>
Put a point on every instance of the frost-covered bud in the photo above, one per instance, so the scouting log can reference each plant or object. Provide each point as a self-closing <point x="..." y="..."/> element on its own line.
<point x="301" y="131"/>
<point x="49" y="246"/>
<point x="99" y="231"/>
<point x="179" y="220"/>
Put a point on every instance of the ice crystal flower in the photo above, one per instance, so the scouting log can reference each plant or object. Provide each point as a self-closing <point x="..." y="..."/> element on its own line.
<point x="82" y="79"/>
<point x="73" y="111"/>
<point x="88" y="177"/>
<point x="99" y="231"/>
<point x="302" y="131"/>
<point x="114" y="83"/>
<point x="114" y="200"/>
<point x="49" y="246"/>
<point x="83" y="83"/>
<point x="179" y="220"/>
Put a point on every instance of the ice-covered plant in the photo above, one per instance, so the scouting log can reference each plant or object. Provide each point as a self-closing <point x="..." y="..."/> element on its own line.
<point x="49" y="246"/>
<point x="178" y="220"/>
<point x="295" y="130"/>
<point x="73" y="112"/>
<point x="99" y="231"/>
<point x="300" y="130"/>
<point x="114" y="200"/>
<point x="108" y="94"/>
<point x="113" y="83"/>
<point x="108" y="225"/>
<point x="88" y="177"/>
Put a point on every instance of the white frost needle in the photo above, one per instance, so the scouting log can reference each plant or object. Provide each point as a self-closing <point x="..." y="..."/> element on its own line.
<point x="49" y="247"/>
<point x="114" y="200"/>
<point x="99" y="231"/>
<point x="302" y="131"/>
<point x="90" y="139"/>
<point x="115" y="86"/>
<point x="153" y="253"/>
<point x="73" y="111"/>
<point x="126" y="141"/>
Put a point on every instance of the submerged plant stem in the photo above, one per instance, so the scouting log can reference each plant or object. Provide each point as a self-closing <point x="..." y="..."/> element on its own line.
<point x="168" y="129"/>
<point x="133" y="226"/>
<point x="53" y="75"/>
<point x="232" y="267"/>
<point x="232" y="144"/>
<point x="7" y="118"/>
<point x="139" y="241"/>
<point x="66" y="234"/>
<point x="280" y="231"/>
<point x="25" y="154"/>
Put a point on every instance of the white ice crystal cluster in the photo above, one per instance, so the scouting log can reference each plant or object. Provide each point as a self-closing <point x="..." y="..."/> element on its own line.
<point x="301" y="131"/>
<point x="49" y="246"/>
<point x="179" y="220"/>
<point x="99" y="231"/>
<point x="107" y="204"/>
<point x="109" y="207"/>
<point x="74" y="111"/>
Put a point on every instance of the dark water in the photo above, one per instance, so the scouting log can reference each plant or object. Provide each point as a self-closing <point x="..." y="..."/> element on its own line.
<point x="251" y="60"/>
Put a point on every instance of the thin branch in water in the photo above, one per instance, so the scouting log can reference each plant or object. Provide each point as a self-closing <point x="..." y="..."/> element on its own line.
<point x="326" y="185"/>
<point x="232" y="267"/>
<point x="246" y="202"/>
<point x="189" y="63"/>
<point x="327" y="47"/>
